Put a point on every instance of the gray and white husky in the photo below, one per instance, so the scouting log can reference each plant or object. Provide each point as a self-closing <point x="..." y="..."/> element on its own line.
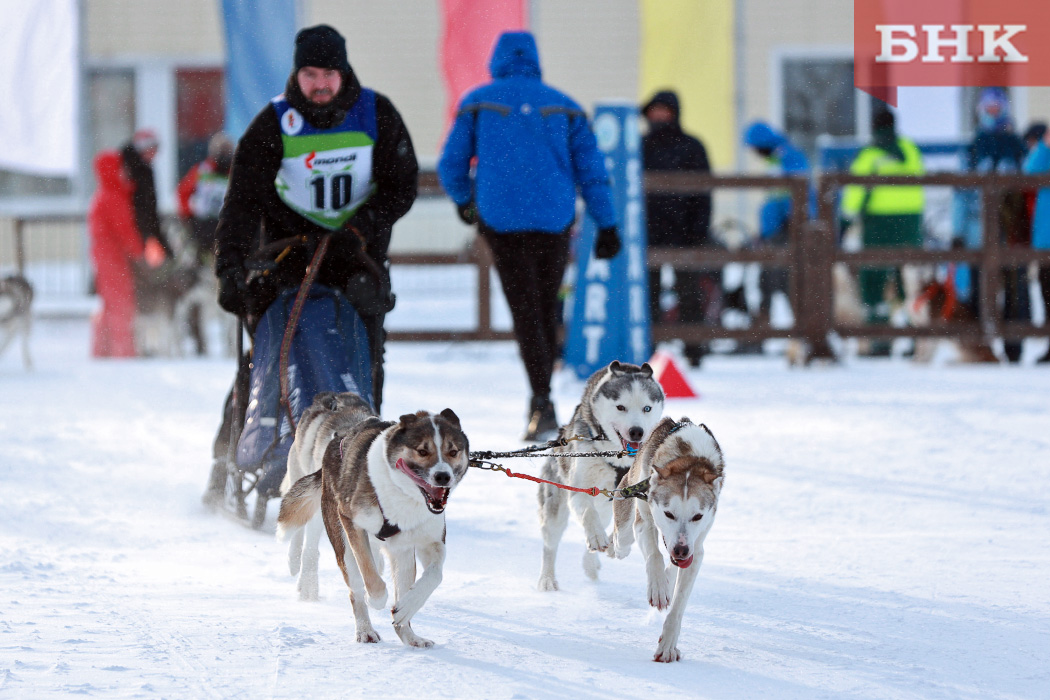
<point x="385" y="483"/>
<point x="684" y="466"/>
<point x="329" y="414"/>
<point x="16" y="298"/>
<point x="620" y="406"/>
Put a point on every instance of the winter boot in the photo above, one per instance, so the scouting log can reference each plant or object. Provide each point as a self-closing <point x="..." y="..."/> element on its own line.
<point x="543" y="424"/>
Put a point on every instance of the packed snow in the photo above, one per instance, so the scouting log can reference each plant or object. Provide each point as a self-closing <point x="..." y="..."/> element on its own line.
<point x="882" y="534"/>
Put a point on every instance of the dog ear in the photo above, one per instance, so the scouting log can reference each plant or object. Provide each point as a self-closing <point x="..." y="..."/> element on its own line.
<point x="646" y="370"/>
<point x="685" y="419"/>
<point x="659" y="472"/>
<point x="451" y="417"/>
<point x="615" y="367"/>
<point x="408" y="419"/>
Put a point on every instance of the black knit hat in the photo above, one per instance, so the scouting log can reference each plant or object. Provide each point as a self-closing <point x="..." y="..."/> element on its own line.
<point x="321" y="47"/>
<point x="667" y="98"/>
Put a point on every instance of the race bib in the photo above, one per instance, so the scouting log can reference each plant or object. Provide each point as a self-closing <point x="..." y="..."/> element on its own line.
<point x="326" y="177"/>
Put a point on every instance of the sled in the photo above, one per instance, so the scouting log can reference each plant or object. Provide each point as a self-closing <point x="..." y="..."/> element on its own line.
<point x="329" y="351"/>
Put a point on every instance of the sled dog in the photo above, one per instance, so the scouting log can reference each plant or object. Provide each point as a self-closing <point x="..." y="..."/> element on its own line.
<point x="157" y="292"/>
<point x="16" y="296"/>
<point x="684" y="466"/>
<point x="330" y="413"/>
<point x="386" y="482"/>
<point x="620" y="406"/>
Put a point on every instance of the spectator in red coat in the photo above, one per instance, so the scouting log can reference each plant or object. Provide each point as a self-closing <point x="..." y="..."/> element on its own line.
<point x="115" y="246"/>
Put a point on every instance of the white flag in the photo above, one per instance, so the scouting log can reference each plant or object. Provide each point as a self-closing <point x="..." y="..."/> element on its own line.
<point x="38" y="86"/>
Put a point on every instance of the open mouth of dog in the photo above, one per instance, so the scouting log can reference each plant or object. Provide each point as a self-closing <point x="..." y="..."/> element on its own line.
<point x="435" y="497"/>
<point x="682" y="563"/>
<point x="628" y="446"/>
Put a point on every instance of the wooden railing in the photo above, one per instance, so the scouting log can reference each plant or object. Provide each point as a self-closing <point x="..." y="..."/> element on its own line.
<point x="812" y="250"/>
<point x="809" y="255"/>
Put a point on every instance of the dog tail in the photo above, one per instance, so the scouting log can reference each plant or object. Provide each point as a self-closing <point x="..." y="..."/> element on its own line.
<point x="300" y="504"/>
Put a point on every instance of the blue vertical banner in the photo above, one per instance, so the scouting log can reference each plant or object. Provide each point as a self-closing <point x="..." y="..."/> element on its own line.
<point x="609" y="318"/>
<point x="260" y="38"/>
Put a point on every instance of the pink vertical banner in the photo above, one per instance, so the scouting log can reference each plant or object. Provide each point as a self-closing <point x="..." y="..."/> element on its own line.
<point x="471" y="30"/>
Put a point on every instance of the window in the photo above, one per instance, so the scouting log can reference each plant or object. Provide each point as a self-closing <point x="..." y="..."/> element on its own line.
<point x="111" y="110"/>
<point x="200" y="98"/>
<point x="818" y="98"/>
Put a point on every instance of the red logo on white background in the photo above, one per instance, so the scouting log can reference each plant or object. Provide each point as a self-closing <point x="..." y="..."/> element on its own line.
<point x="292" y="122"/>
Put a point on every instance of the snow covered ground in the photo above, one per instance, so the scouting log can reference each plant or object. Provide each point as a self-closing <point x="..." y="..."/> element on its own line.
<point x="882" y="534"/>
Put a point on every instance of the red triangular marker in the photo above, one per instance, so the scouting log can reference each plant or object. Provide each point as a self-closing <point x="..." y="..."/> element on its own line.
<point x="674" y="383"/>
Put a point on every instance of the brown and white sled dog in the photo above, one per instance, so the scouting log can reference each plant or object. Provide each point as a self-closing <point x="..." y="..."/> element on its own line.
<point x="620" y="406"/>
<point x="16" y="319"/>
<point x="386" y="482"/>
<point x="329" y="414"/>
<point x="684" y="466"/>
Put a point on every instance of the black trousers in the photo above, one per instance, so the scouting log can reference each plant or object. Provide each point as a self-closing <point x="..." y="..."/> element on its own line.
<point x="531" y="265"/>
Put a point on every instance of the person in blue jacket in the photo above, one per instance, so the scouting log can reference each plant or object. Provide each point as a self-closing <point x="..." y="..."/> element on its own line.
<point x="1037" y="162"/>
<point x="534" y="150"/>
<point x="775" y="215"/>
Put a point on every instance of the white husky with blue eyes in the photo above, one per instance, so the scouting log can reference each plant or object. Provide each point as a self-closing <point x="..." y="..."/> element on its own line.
<point x="684" y="466"/>
<point x="621" y="405"/>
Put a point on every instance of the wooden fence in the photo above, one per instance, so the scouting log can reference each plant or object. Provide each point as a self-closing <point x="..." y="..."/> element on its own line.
<point x="810" y="253"/>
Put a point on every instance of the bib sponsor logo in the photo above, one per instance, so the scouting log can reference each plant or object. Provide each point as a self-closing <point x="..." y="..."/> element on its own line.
<point x="292" y="122"/>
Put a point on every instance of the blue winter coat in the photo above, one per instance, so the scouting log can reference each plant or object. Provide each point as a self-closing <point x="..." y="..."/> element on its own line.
<point x="533" y="146"/>
<point x="1038" y="162"/>
<point x="775" y="214"/>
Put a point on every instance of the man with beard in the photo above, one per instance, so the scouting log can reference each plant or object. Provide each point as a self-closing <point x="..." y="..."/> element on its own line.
<point x="328" y="156"/>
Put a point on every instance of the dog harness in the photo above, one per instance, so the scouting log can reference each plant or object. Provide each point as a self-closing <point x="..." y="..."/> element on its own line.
<point x="388" y="530"/>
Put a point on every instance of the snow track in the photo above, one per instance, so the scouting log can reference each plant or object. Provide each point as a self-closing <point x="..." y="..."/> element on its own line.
<point x="882" y="534"/>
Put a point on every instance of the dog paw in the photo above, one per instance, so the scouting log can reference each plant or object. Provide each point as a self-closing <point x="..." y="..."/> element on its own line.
<point x="659" y="591"/>
<point x="666" y="652"/>
<point x="597" y="541"/>
<point x="368" y="636"/>
<point x="410" y="638"/>
<point x="547" y="583"/>
<point x="377" y="599"/>
<point x="618" y="551"/>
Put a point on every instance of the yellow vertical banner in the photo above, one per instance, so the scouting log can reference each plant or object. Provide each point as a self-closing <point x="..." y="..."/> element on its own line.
<point x="687" y="46"/>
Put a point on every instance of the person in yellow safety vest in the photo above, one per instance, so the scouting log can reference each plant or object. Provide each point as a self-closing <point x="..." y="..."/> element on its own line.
<point x="890" y="216"/>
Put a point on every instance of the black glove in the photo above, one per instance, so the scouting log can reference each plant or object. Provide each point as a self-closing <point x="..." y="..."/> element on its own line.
<point x="468" y="213"/>
<point x="233" y="292"/>
<point x="608" y="244"/>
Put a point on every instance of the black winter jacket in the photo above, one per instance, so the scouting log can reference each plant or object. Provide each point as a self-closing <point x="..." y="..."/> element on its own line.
<point x="144" y="198"/>
<point x="679" y="221"/>
<point x="253" y="215"/>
